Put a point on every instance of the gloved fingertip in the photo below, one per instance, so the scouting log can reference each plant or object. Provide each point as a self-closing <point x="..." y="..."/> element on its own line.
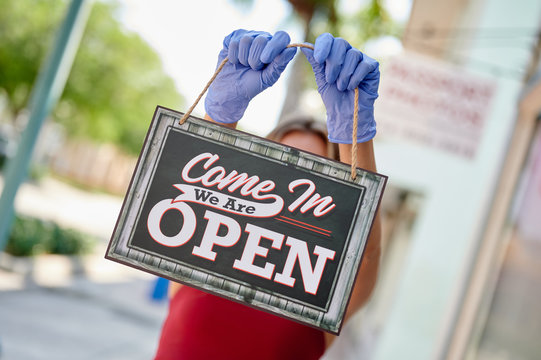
<point x="258" y="45"/>
<point x="322" y="47"/>
<point x="275" y="46"/>
<point x="309" y="53"/>
<point x="331" y="73"/>
<point x="233" y="52"/>
<point x="319" y="57"/>
<point x="282" y="36"/>
<point x="289" y="53"/>
<point x="340" y="85"/>
<point x="281" y="61"/>
<point x="245" y="44"/>
<point x="231" y="37"/>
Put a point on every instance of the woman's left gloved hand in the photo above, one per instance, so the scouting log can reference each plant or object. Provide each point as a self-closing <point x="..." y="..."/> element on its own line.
<point x="256" y="61"/>
<point x="339" y="69"/>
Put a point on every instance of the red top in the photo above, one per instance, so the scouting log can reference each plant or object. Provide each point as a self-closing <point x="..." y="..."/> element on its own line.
<point x="204" y="326"/>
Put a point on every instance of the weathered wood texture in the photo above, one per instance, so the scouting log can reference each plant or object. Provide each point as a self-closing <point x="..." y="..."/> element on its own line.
<point x="329" y="320"/>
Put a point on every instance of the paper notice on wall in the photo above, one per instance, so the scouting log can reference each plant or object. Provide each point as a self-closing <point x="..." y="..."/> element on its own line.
<point x="433" y="103"/>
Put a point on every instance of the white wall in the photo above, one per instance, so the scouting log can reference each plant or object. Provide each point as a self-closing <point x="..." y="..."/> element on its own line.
<point x="458" y="191"/>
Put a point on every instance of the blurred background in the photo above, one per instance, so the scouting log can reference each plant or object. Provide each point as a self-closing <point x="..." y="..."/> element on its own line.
<point x="458" y="135"/>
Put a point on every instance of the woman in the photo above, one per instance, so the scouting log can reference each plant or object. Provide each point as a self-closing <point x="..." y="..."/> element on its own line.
<point x="204" y="326"/>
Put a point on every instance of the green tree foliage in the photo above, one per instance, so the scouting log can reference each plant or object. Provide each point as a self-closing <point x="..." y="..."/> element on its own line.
<point x="26" y="29"/>
<point x="116" y="81"/>
<point x="319" y="16"/>
<point x="370" y="22"/>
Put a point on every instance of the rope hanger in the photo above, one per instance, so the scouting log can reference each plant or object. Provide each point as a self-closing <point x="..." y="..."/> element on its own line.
<point x="355" y="108"/>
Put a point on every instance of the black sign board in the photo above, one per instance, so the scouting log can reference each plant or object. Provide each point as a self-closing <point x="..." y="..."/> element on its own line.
<point x="248" y="219"/>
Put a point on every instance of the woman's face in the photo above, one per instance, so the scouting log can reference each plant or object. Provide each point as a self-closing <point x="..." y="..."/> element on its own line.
<point x="305" y="140"/>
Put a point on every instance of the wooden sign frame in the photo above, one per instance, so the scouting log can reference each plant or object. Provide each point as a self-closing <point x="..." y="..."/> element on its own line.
<point x="139" y="240"/>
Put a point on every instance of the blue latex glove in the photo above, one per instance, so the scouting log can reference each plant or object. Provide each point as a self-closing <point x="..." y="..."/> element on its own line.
<point x="256" y="61"/>
<point x="339" y="69"/>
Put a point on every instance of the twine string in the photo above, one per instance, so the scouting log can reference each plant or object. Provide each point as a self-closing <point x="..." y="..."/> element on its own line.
<point x="220" y="67"/>
<point x="354" y="135"/>
<point x="355" y="108"/>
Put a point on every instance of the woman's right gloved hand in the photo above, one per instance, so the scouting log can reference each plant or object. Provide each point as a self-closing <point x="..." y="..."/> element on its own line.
<point x="256" y="61"/>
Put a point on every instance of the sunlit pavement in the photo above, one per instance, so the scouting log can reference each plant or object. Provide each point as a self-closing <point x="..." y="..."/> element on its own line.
<point x="92" y="212"/>
<point x="59" y="307"/>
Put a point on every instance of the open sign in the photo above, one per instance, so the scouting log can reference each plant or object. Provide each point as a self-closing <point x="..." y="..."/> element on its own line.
<point x="246" y="218"/>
